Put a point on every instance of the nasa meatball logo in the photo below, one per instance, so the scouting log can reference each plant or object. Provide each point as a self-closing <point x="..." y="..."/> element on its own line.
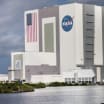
<point x="67" y="23"/>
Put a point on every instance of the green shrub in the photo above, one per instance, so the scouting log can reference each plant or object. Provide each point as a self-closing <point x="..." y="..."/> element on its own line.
<point x="55" y="84"/>
<point x="26" y="88"/>
<point x="15" y="87"/>
<point x="37" y="85"/>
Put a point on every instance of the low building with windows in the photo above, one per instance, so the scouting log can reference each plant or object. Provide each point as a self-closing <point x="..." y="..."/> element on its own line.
<point x="78" y="76"/>
<point x="58" y="40"/>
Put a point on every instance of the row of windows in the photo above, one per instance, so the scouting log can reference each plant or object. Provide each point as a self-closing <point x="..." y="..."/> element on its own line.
<point x="89" y="29"/>
<point x="90" y="22"/>
<point x="90" y="15"/>
<point x="89" y="54"/>
<point x="89" y="51"/>
<point x="78" y="79"/>
<point x="90" y="36"/>
<point x="89" y="58"/>
<point x="91" y="44"/>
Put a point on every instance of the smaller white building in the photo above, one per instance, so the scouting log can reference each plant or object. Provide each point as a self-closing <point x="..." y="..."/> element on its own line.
<point x="83" y="75"/>
<point x="74" y="76"/>
<point x="47" y="78"/>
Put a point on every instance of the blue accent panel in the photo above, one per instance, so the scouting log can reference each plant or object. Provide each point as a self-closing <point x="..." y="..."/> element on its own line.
<point x="67" y="23"/>
<point x="29" y="19"/>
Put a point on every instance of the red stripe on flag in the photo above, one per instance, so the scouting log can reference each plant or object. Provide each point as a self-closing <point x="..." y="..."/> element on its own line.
<point x="30" y="33"/>
<point x="36" y="29"/>
<point x="32" y="26"/>
<point x="33" y="18"/>
<point x="27" y="34"/>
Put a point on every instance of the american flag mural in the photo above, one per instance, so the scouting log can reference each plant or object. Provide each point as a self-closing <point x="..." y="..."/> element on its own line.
<point x="31" y="27"/>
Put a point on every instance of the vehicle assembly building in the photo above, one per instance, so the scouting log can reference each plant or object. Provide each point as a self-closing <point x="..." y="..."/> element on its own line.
<point x="62" y="43"/>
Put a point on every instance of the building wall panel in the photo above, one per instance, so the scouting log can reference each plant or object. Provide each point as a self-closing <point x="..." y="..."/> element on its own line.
<point x="67" y="39"/>
<point x="98" y="46"/>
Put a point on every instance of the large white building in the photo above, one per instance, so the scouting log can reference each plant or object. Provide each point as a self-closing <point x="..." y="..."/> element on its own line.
<point x="61" y="40"/>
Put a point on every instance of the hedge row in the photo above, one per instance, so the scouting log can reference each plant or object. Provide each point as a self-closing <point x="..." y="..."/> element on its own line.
<point x="28" y="87"/>
<point x="15" y="87"/>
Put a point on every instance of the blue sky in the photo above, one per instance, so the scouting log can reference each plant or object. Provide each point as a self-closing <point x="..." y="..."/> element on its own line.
<point x="12" y="24"/>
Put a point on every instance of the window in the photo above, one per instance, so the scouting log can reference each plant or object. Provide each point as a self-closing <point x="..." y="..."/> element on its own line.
<point x="49" y="34"/>
<point x="89" y="51"/>
<point x="89" y="44"/>
<point x="49" y="37"/>
<point x="89" y="14"/>
<point x="90" y="22"/>
<point x="89" y="58"/>
<point x="89" y="36"/>
<point x="89" y="29"/>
